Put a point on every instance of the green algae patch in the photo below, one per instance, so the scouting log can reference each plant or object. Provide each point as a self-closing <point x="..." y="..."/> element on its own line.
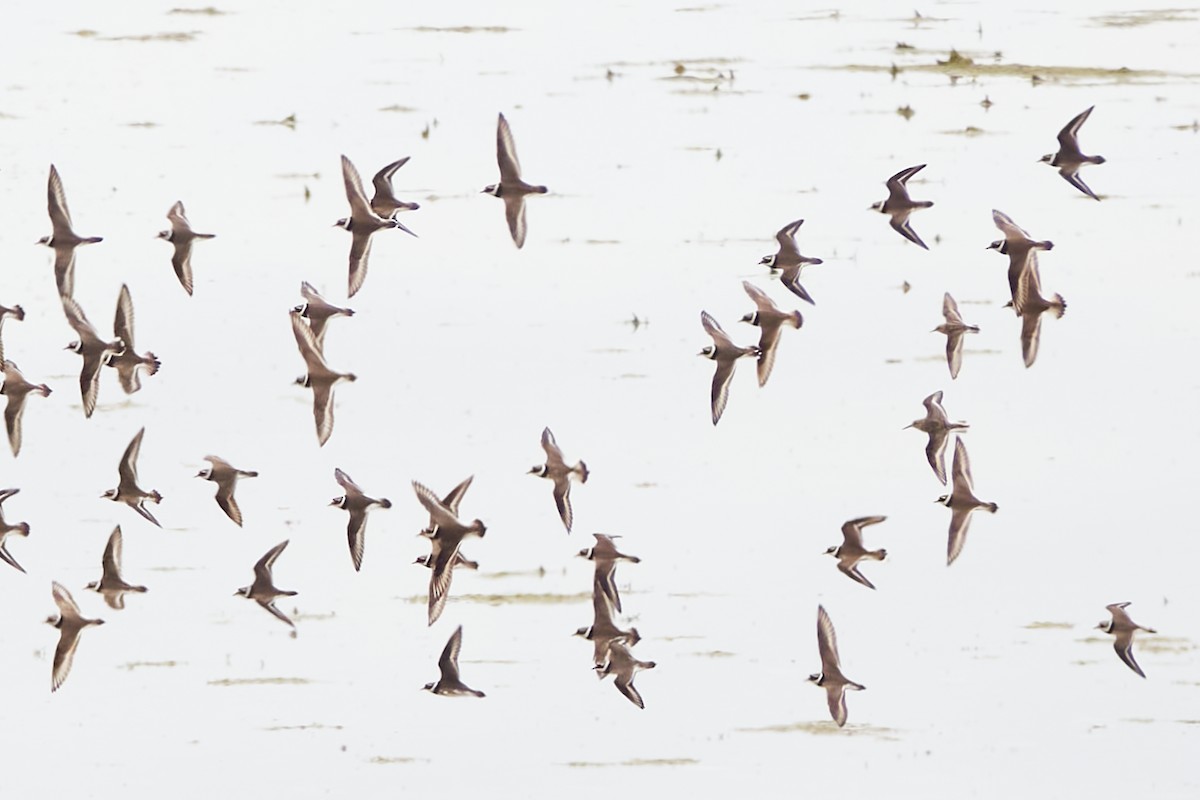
<point x="827" y="728"/>
<point x="260" y="682"/>
<point x="958" y="65"/>
<point x="1136" y="19"/>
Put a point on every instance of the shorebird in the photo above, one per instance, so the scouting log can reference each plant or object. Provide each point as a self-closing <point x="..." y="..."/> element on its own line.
<point x="899" y="205"/>
<point x="789" y="261"/>
<point x="938" y="426"/>
<point x="70" y="622"/>
<point x="450" y="684"/>
<point x="1029" y="296"/>
<point x="622" y="663"/>
<point x="1021" y="251"/>
<point x="128" y="491"/>
<point x="17" y="313"/>
<point x="95" y="352"/>
<point x="384" y="203"/>
<point x="459" y="561"/>
<point x="21" y="529"/>
<point x="603" y="631"/>
<point x="954" y="328"/>
<point x="448" y="535"/>
<point x="1069" y="157"/>
<point x="319" y="377"/>
<point x="725" y="353"/>
<point x="182" y="237"/>
<point x="225" y="476"/>
<point x="318" y="312"/>
<point x="450" y="501"/>
<point x="851" y="550"/>
<point x="1122" y="627"/>
<point x="510" y="188"/>
<point x="830" y="678"/>
<point x="770" y="320"/>
<point x="961" y="501"/>
<point x="127" y="362"/>
<point x="357" y="503"/>
<point x="63" y="240"/>
<point x="263" y="591"/>
<point x="556" y="469"/>
<point x="604" y="555"/>
<point x="111" y="585"/>
<point x="16" y="389"/>
<point x="361" y="223"/>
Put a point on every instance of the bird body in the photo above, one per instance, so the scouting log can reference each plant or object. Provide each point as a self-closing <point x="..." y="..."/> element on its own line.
<point x="111" y="585"/>
<point x="448" y="534"/>
<point x="725" y="353"/>
<point x="20" y="529"/>
<point x="225" y="476"/>
<point x="899" y="205"/>
<point x="63" y="240"/>
<point x="95" y="352"/>
<point x="961" y="501"/>
<point x="790" y="262"/>
<point x="830" y="678"/>
<point x="70" y="622"/>
<point x="622" y="664"/>
<point x="770" y="321"/>
<point x="556" y="470"/>
<point x="1069" y="157"/>
<point x="511" y="188"/>
<point x="264" y="591"/>
<point x="851" y="550"/>
<point x="450" y="684"/>
<point x="128" y="491"/>
<point x="1123" y="627"/>
<point x="128" y="363"/>
<point x="938" y="426"/>
<point x="182" y="236"/>
<point x="385" y="203"/>
<point x="955" y="329"/>
<point x="362" y="223"/>
<point x="16" y="389"/>
<point x="357" y="504"/>
<point x="319" y="377"/>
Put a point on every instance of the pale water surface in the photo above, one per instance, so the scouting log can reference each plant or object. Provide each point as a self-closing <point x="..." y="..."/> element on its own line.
<point x="985" y="679"/>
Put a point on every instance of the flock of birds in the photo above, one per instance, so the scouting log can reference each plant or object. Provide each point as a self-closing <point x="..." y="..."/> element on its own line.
<point x="446" y="530"/>
<point x="1028" y="303"/>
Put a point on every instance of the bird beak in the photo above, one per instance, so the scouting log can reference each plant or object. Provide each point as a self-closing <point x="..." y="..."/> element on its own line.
<point x="403" y="227"/>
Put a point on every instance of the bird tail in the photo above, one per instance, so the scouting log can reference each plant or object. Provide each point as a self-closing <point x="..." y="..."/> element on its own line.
<point x="992" y="507"/>
<point x="581" y="470"/>
<point x="878" y="555"/>
<point x="152" y="363"/>
<point x="385" y="503"/>
<point x="1059" y="305"/>
<point x="154" y="496"/>
<point x="797" y="320"/>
